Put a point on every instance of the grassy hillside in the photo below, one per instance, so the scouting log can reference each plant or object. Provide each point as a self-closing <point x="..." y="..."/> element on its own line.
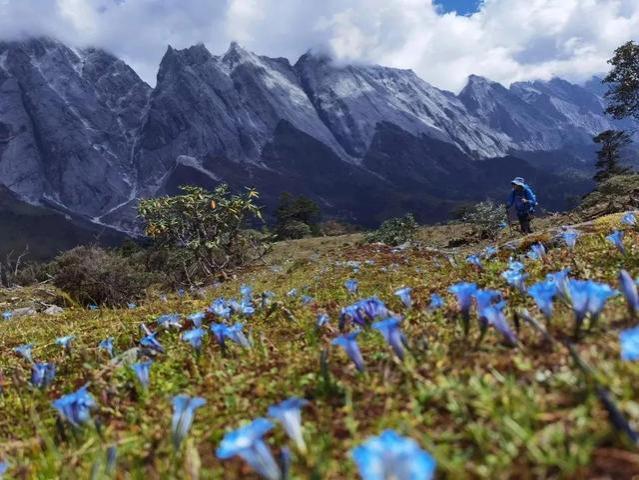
<point x="483" y="410"/>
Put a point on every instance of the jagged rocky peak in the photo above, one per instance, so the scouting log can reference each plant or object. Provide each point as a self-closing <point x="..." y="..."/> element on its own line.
<point x="236" y="55"/>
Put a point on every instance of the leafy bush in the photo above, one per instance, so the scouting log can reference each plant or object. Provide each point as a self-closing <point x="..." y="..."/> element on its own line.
<point x="395" y="231"/>
<point x="486" y="217"/>
<point x="205" y="231"/>
<point x="293" y="213"/>
<point x="94" y="275"/>
<point x="293" y="229"/>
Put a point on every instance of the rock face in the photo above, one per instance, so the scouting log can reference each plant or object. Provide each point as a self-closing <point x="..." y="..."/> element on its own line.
<point x="67" y="123"/>
<point x="80" y="132"/>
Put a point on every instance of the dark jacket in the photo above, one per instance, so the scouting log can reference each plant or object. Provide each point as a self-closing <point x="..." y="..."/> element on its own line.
<point x="516" y="198"/>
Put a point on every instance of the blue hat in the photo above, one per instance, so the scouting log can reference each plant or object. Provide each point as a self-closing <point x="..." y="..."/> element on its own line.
<point x="519" y="181"/>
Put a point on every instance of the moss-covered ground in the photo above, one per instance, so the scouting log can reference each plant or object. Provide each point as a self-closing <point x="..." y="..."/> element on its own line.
<point x="482" y="410"/>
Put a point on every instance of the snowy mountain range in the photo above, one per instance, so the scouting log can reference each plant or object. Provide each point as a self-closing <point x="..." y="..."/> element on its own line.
<point x="82" y="134"/>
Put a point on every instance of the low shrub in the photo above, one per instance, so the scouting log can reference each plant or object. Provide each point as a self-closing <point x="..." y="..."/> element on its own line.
<point x="486" y="217"/>
<point x="90" y="274"/>
<point x="204" y="233"/>
<point x="617" y="194"/>
<point x="395" y="231"/>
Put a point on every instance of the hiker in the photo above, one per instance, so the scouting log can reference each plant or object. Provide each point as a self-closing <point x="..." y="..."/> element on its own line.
<point x="524" y="200"/>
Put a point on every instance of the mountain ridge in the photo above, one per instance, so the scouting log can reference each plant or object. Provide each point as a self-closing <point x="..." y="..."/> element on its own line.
<point x="82" y="133"/>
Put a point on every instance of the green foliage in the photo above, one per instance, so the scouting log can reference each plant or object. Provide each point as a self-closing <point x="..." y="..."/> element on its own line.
<point x="293" y="229"/>
<point x="395" y="231"/>
<point x="609" y="156"/>
<point x="623" y="80"/>
<point x="296" y="217"/>
<point x="94" y="275"/>
<point x="486" y="217"/>
<point x="204" y="230"/>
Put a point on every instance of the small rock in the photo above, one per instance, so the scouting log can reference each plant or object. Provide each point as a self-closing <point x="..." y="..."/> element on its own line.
<point x="23" y="312"/>
<point x="54" y="310"/>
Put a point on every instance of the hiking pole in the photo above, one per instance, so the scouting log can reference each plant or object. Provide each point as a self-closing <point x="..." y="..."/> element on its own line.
<point x="510" y="225"/>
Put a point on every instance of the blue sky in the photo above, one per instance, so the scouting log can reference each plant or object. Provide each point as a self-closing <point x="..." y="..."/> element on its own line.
<point x="462" y="7"/>
<point x="511" y="40"/>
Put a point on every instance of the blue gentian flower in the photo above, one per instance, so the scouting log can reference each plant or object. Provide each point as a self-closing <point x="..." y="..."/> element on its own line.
<point x="292" y="293"/>
<point x="322" y="319"/>
<point x="490" y="252"/>
<point x="404" y="295"/>
<point x="246" y="292"/>
<point x="220" y="331"/>
<point x="241" y="308"/>
<point x="247" y="442"/>
<point x="181" y="292"/>
<point x="152" y="343"/>
<point x="107" y="346"/>
<point x="169" y="320"/>
<point x="7" y="315"/>
<point x="629" y="340"/>
<point x="391" y="456"/>
<point x="629" y="219"/>
<point x="234" y="333"/>
<point x="349" y="343"/>
<point x="183" y="413"/>
<point x="220" y="308"/>
<point x="579" y="294"/>
<point x="363" y="311"/>
<point x="75" y="407"/>
<point x="389" y="328"/>
<point x="570" y="238"/>
<point x="616" y="238"/>
<point x="194" y="337"/>
<point x="196" y="318"/>
<point x="544" y="294"/>
<point x="494" y="315"/>
<point x="516" y="279"/>
<point x="65" y="342"/>
<point x="436" y="301"/>
<point x="537" y="252"/>
<point x="515" y="266"/>
<point x="289" y="414"/>
<point x="629" y="289"/>
<point x="25" y="351"/>
<point x="142" y="370"/>
<point x="93" y="306"/>
<point x="560" y="279"/>
<point x="588" y="297"/>
<point x="306" y="299"/>
<point x="503" y="225"/>
<point x="131" y="306"/>
<point x="4" y="467"/>
<point x="485" y="298"/>
<point x="42" y="374"/>
<point x="351" y="286"/>
<point x="474" y="260"/>
<point x="599" y="295"/>
<point x="464" y="292"/>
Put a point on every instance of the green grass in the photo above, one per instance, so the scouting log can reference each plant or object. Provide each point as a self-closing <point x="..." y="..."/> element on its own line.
<point x="484" y="411"/>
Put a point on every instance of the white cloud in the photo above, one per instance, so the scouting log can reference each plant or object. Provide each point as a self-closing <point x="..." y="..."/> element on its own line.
<point x="507" y="40"/>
